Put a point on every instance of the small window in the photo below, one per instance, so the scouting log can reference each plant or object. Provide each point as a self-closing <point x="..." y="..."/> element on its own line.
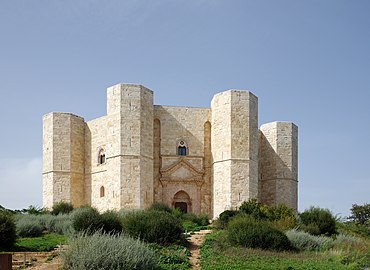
<point x="101" y="157"/>
<point x="102" y="191"/>
<point x="181" y="149"/>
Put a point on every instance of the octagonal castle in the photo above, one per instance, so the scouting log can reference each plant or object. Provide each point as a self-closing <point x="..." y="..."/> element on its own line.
<point x="201" y="160"/>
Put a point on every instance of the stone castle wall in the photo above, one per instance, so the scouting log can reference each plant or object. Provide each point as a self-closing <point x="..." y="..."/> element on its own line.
<point x="278" y="164"/>
<point x="63" y="159"/>
<point x="228" y="160"/>
<point x="234" y="149"/>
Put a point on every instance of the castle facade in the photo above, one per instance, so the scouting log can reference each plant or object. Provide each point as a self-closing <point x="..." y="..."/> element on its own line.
<point x="201" y="160"/>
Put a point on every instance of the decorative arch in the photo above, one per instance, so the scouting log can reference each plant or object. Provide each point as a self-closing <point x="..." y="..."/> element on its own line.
<point x="182" y="201"/>
<point x="182" y="149"/>
<point x="101" y="156"/>
<point x="102" y="191"/>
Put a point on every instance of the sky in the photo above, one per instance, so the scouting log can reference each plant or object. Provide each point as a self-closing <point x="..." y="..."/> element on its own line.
<point x="307" y="61"/>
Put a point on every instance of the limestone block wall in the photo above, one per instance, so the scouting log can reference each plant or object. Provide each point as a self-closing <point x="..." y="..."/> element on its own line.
<point x="103" y="134"/>
<point x="228" y="160"/>
<point x="63" y="159"/>
<point x="134" y="105"/>
<point x="234" y="149"/>
<point x="278" y="164"/>
<point x="172" y="125"/>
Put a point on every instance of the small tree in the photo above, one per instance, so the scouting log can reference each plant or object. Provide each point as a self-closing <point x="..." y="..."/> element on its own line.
<point x="360" y="214"/>
<point x="7" y="230"/>
<point x="62" y="208"/>
<point x="318" y="221"/>
<point x="253" y="208"/>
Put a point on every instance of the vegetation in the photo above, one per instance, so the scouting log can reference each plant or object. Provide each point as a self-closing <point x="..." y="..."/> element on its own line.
<point x="304" y="241"/>
<point x="86" y="219"/>
<point x="28" y="225"/>
<point x="173" y="257"/>
<point x="46" y="242"/>
<point x="244" y="230"/>
<point x="7" y="230"/>
<point x="153" y="226"/>
<point x="105" y="251"/>
<point x="254" y="237"/>
<point x="218" y="254"/>
<point x="111" y="222"/>
<point x="360" y="214"/>
<point x="318" y="221"/>
<point x="158" y="206"/>
<point x="62" y="208"/>
<point x="225" y="217"/>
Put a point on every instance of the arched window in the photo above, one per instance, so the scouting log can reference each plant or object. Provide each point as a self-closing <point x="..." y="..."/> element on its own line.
<point x="101" y="157"/>
<point x="102" y="191"/>
<point x="181" y="149"/>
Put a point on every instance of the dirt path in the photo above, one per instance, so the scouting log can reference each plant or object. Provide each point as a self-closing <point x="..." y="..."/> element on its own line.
<point x="55" y="264"/>
<point x="196" y="241"/>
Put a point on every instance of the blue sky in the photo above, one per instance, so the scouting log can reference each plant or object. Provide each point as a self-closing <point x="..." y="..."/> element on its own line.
<point x="307" y="61"/>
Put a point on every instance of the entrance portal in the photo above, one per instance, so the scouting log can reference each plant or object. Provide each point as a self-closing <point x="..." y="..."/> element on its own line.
<point x="183" y="206"/>
<point x="181" y="200"/>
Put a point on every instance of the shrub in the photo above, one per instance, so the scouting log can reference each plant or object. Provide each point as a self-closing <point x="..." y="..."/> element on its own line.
<point x="225" y="217"/>
<point x="86" y="219"/>
<point x="158" y="206"/>
<point x="253" y="208"/>
<point x="201" y="220"/>
<point x="111" y="222"/>
<point x="305" y="241"/>
<point x="62" y="208"/>
<point x="105" y="252"/>
<point x="61" y="224"/>
<point x="360" y="214"/>
<point x="343" y="240"/>
<point x="280" y="211"/>
<point x="153" y="226"/>
<point x="7" y="230"/>
<point x="246" y="231"/>
<point x="28" y="226"/>
<point x="318" y="221"/>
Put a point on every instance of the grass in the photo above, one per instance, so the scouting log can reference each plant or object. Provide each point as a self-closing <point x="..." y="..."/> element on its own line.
<point x="46" y="242"/>
<point x="173" y="257"/>
<point x="216" y="253"/>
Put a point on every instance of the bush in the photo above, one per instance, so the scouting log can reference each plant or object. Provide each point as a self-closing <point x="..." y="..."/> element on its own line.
<point x="253" y="208"/>
<point x="111" y="222"/>
<point x="61" y="224"/>
<point x="106" y="252"/>
<point x="280" y="211"/>
<point x="86" y="219"/>
<point x="62" y="208"/>
<point x="318" y="221"/>
<point x="28" y="226"/>
<point x="7" y="230"/>
<point x="158" y="206"/>
<point x="246" y="231"/>
<point x="153" y="226"/>
<point x="360" y="214"/>
<point x="305" y="241"/>
<point x="201" y="220"/>
<point x="225" y="217"/>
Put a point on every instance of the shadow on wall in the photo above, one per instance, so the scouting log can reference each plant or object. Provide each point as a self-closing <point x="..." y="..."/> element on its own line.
<point x="277" y="174"/>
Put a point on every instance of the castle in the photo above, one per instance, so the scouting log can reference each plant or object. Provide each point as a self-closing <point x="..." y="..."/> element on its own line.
<point x="201" y="160"/>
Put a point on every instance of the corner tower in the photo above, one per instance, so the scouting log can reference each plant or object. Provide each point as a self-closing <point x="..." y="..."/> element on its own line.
<point x="278" y="164"/>
<point x="234" y="149"/>
<point x="63" y="159"/>
<point x="134" y="105"/>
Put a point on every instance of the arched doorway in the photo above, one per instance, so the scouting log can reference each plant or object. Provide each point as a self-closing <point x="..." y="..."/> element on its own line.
<point x="181" y="200"/>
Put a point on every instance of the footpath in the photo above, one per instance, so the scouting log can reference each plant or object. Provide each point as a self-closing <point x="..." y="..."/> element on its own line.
<point x="196" y="241"/>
